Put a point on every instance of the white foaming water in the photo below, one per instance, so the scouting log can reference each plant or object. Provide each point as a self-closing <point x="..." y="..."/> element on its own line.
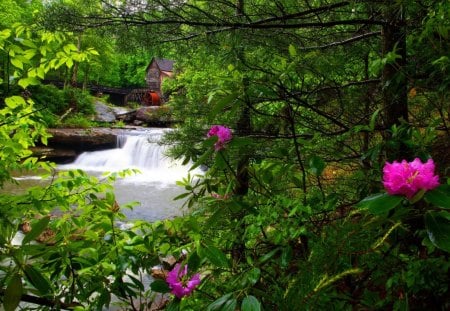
<point x="135" y="150"/>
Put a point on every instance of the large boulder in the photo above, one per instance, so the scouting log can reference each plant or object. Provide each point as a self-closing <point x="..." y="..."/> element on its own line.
<point x="82" y="139"/>
<point x="154" y="115"/>
<point x="104" y="113"/>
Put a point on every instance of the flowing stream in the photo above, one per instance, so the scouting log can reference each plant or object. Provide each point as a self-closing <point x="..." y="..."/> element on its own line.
<point x="154" y="188"/>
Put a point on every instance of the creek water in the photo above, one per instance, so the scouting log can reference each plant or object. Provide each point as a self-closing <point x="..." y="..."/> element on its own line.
<point x="154" y="188"/>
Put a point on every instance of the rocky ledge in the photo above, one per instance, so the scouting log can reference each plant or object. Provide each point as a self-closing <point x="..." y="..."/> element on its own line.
<point x="66" y="143"/>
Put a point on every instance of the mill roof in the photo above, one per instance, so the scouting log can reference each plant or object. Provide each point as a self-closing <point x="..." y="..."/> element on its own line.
<point x="163" y="64"/>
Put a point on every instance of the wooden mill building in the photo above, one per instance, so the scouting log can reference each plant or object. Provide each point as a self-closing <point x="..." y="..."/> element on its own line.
<point x="156" y="72"/>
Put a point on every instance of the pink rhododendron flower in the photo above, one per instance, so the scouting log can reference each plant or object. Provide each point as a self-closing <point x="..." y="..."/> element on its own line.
<point x="178" y="282"/>
<point x="223" y="134"/>
<point x="407" y="178"/>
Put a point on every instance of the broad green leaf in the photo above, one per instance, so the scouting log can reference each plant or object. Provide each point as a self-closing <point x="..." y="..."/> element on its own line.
<point x="160" y="286"/>
<point x="4" y="34"/>
<point x="230" y="305"/>
<point x="36" y="278"/>
<point x="193" y="261"/>
<point x="380" y="203"/>
<point x="69" y="47"/>
<point x="29" y="44"/>
<point x="36" y="229"/>
<point x="252" y="276"/>
<point x="14" y="101"/>
<point x="215" y="256"/>
<point x="69" y="63"/>
<point x="439" y="197"/>
<point x="13" y="293"/>
<point x="220" y="303"/>
<point x="17" y="63"/>
<point x="250" y="303"/>
<point x="438" y="229"/>
<point x="316" y="165"/>
<point x="25" y="82"/>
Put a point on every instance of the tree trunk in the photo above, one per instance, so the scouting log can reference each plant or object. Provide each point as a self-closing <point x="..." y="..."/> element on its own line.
<point x="74" y="78"/>
<point x="243" y="126"/>
<point x="394" y="76"/>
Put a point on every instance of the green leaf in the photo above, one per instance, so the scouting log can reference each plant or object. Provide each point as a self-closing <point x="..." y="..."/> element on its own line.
<point x="17" y="63"/>
<point x="269" y="255"/>
<point x="202" y="158"/>
<point x="316" y="165"/>
<point x="222" y="303"/>
<point x="220" y="105"/>
<point x="252" y="276"/>
<point x="286" y="256"/>
<point x="380" y="203"/>
<point x="174" y="305"/>
<point x="215" y="256"/>
<point x="230" y="305"/>
<point x="160" y="286"/>
<point x="250" y="303"/>
<point x="37" y="280"/>
<point x="292" y="51"/>
<point x="14" y="101"/>
<point x="69" y="63"/>
<point x="25" y="82"/>
<point x="13" y="293"/>
<point x="438" y="229"/>
<point x="182" y="196"/>
<point x="36" y="230"/>
<point x="373" y="119"/>
<point x="193" y="261"/>
<point x="439" y="197"/>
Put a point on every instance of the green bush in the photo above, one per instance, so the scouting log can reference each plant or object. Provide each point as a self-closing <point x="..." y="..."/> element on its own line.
<point x="79" y="100"/>
<point x="49" y="97"/>
<point x="77" y="120"/>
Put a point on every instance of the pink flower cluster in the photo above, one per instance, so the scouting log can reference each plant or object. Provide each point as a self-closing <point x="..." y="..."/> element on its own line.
<point x="223" y="134"/>
<point x="178" y="282"/>
<point x="407" y="178"/>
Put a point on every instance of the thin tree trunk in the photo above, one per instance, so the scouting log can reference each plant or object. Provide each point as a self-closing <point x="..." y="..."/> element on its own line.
<point x="243" y="125"/>
<point x="394" y="80"/>
<point x="73" y="80"/>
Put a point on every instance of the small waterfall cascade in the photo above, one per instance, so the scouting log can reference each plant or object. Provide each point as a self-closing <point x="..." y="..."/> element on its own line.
<point x="135" y="150"/>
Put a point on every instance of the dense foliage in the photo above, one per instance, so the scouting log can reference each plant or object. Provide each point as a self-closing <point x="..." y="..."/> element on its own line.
<point x="292" y="110"/>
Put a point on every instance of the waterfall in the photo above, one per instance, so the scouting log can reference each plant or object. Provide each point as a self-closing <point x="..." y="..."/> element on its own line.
<point x="135" y="150"/>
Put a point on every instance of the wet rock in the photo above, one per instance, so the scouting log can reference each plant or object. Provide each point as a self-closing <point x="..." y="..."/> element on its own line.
<point x="104" y="113"/>
<point x="82" y="139"/>
<point x="52" y="154"/>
